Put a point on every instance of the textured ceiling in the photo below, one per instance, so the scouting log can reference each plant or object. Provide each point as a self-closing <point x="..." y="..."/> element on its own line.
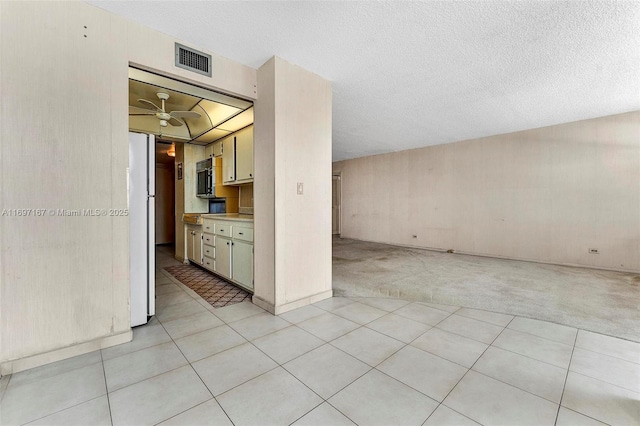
<point x="412" y="74"/>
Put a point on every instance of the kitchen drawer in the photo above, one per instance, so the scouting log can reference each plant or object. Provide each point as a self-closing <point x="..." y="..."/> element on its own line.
<point x="208" y="226"/>
<point x="223" y="229"/>
<point x="209" y="251"/>
<point x="245" y="234"/>
<point x="208" y="263"/>
<point x="208" y="239"/>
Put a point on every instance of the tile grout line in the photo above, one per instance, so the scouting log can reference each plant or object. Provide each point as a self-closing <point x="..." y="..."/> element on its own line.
<point x="566" y="377"/>
<point x="68" y="408"/>
<point x="455" y="411"/>
<point x="514" y="386"/>
<point x="375" y="367"/>
<point x="605" y="382"/>
<point x="325" y="342"/>
<point x="5" y="387"/>
<point x="528" y="357"/>
<point x="196" y="373"/>
<point x="133" y="352"/>
<point x="197" y="405"/>
<point x="601" y="353"/>
<point x="246" y="381"/>
<point x="469" y="369"/>
<point x="106" y="388"/>
<point x="582" y="414"/>
<point x="445" y="397"/>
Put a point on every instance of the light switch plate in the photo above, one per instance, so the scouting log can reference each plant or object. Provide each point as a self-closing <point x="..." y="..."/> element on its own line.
<point x="300" y="188"/>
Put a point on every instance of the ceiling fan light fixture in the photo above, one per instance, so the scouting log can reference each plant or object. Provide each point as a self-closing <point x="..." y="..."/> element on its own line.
<point x="163" y="123"/>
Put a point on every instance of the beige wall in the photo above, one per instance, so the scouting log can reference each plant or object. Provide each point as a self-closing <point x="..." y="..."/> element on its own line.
<point x="546" y="195"/>
<point x="180" y="235"/>
<point x="292" y="144"/>
<point x="264" y="167"/>
<point x="64" y="281"/>
<point x="186" y="199"/>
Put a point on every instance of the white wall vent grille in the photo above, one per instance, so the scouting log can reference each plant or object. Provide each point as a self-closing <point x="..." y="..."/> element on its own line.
<point x="192" y="60"/>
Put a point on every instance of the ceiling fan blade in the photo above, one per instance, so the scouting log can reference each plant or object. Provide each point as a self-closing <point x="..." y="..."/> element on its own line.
<point x="140" y="111"/>
<point x="185" y="114"/>
<point x="149" y="103"/>
<point x="175" y="122"/>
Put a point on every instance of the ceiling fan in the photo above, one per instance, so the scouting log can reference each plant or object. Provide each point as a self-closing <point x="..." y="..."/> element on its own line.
<point x="173" y="117"/>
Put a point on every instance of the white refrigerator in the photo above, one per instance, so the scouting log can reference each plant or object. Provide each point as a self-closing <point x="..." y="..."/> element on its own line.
<point x="142" y="226"/>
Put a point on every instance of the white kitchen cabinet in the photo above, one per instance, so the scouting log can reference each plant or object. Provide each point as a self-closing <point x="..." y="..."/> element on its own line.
<point x="208" y="248"/>
<point x="194" y="243"/>
<point x="244" y="155"/>
<point x="208" y="151"/>
<point x="216" y="149"/>
<point x="207" y="226"/>
<point x="228" y="159"/>
<point x="237" y="157"/>
<point x="209" y="263"/>
<point x="208" y="241"/>
<point x="223" y="257"/>
<point x="227" y="250"/>
<point x="242" y="263"/>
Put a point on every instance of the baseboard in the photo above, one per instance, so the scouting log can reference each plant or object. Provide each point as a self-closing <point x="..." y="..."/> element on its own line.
<point x="289" y="306"/>
<point x="17" y="365"/>
<point x="267" y="306"/>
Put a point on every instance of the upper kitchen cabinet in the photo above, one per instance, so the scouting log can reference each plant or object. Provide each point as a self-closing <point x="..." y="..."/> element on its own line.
<point x="244" y="155"/>
<point x="237" y="157"/>
<point x="214" y="149"/>
<point x="228" y="147"/>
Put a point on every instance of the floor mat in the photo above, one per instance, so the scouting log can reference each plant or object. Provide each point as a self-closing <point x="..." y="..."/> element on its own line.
<point x="211" y="288"/>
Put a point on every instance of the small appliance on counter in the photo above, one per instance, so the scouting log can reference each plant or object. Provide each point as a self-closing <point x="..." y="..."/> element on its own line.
<point x="205" y="179"/>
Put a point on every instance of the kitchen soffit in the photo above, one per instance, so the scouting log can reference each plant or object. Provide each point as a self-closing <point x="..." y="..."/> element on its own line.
<point x="220" y="114"/>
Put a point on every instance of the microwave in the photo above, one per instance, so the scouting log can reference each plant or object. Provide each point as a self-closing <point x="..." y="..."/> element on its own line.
<point x="205" y="179"/>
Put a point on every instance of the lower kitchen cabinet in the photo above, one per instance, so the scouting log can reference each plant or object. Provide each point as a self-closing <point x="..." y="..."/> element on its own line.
<point x="223" y="257"/>
<point x="229" y="251"/>
<point x="242" y="263"/>
<point x="194" y="243"/>
<point x="208" y="249"/>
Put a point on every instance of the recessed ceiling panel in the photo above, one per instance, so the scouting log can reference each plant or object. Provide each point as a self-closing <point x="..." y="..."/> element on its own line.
<point x="218" y="112"/>
<point x="239" y="121"/>
<point x="198" y="126"/>
<point x="212" y="135"/>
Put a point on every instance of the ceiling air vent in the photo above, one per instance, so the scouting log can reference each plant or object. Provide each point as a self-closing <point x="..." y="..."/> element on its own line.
<point x="193" y="60"/>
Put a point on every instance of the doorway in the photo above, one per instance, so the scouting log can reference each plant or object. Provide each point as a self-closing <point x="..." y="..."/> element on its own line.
<point x="336" y="195"/>
<point x="165" y="193"/>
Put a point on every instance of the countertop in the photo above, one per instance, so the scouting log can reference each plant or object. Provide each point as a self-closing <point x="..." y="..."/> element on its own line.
<point x="229" y="216"/>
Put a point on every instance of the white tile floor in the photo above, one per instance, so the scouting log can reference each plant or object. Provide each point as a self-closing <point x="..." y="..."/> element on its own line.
<point x="368" y="361"/>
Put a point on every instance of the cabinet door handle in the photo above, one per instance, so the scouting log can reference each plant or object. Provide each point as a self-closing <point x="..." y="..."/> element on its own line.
<point x="227" y="243"/>
<point x="240" y="233"/>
